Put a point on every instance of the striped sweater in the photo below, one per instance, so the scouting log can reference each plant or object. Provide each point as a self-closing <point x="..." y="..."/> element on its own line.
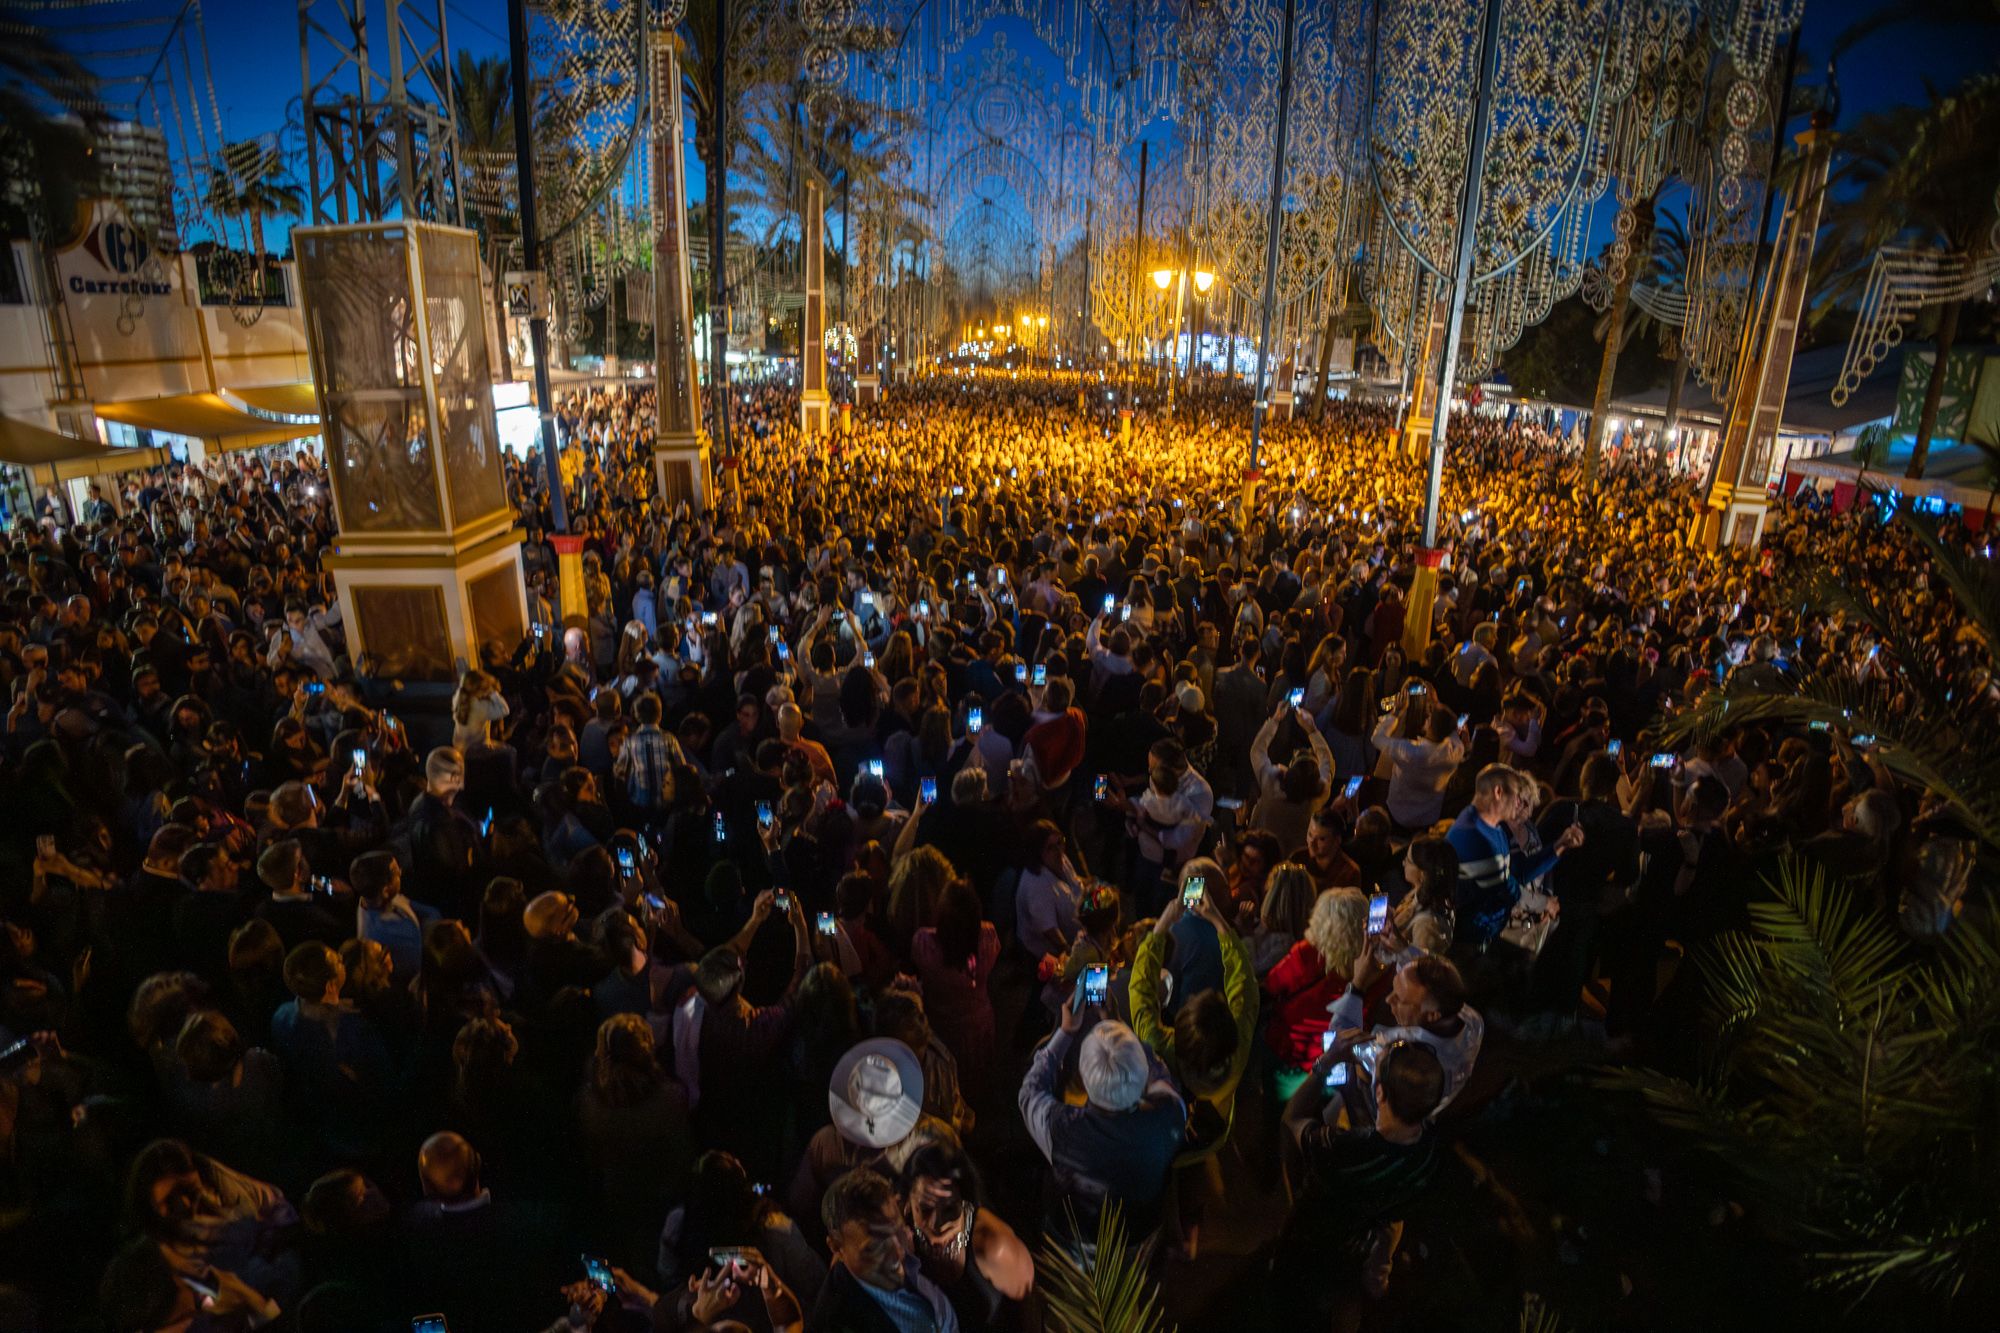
<point x="1491" y="875"/>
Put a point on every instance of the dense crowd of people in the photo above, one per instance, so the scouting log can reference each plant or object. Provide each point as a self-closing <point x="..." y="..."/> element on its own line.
<point x="967" y="828"/>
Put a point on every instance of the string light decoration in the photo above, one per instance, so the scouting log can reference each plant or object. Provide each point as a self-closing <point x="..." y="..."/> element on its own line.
<point x="1901" y="281"/>
<point x="586" y="58"/>
<point x="1323" y="184"/>
<point x="1586" y="94"/>
<point x="1544" y="166"/>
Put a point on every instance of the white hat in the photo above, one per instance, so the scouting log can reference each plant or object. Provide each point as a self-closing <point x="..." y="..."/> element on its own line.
<point x="1188" y="696"/>
<point x="877" y="1093"/>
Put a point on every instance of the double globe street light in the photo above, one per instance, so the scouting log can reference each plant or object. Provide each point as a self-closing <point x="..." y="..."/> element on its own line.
<point x="1177" y="279"/>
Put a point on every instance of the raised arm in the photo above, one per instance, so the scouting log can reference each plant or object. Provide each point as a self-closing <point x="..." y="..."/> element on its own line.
<point x="1040" y="1098"/>
<point x="1261" y="766"/>
<point x="1145" y="983"/>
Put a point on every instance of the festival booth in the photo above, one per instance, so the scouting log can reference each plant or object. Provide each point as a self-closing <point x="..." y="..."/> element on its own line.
<point x="1958" y="476"/>
<point x="64" y="464"/>
<point x="1879" y="438"/>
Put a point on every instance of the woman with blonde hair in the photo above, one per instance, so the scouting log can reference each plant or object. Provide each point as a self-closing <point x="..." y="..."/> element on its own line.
<point x="477" y="704"/>
<point x="1282" y="920"/>
<point x="1313" y="974"/>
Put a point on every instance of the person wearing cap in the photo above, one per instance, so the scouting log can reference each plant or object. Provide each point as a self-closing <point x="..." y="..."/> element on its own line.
<point x="1116" y="1147"/>
<point x="876" y="1099"/>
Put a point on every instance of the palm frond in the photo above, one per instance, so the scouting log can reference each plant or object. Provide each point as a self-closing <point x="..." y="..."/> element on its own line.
<point x="1854" y="1094"/>
<point x="1108" y="1291"/>
<point x="1537" y="1317"/>
<point x="1813" y="933"/>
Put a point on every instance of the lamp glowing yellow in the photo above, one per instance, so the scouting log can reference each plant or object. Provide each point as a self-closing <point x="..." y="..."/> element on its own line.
<point x="1163" y="278"/>
<point x="1203" y="280"/>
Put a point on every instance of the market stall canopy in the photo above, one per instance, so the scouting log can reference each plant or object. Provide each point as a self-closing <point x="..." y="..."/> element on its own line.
<point x="285" y="400"/>
<point x="1957" y="474"/>
<point x="205" y="416"/>
<point x="59" y="457"/>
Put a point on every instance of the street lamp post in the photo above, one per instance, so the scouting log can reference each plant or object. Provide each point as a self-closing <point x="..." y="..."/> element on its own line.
<point x="1164" y="278"/>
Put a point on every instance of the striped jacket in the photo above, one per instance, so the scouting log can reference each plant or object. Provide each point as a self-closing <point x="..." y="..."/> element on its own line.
<point x="1491" y="875"/>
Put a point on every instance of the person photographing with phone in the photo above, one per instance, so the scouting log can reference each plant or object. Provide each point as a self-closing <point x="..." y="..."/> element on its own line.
<point x="1288" y="795"/>
<point x="1207" y="1042"/>
<point x="1120" y="1143"/>
<point x="1367" y="1152"/>
<point x="1494" y="871"/>
<point x="1420" y="740"/>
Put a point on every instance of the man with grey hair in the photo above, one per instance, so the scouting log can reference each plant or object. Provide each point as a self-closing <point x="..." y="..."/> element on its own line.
<point x="1119" y="1145"/>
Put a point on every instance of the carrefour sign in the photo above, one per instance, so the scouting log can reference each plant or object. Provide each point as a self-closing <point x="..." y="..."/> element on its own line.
<point x="118" y="249"/>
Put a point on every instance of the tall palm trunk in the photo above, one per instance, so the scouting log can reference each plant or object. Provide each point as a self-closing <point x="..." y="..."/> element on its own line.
<point x="1674" y="387"/>
<point x="1947" y="334"/>
<point x="1325" y="363"/>
<point x="1638" y="250"/>
<point x="258" y="277"/>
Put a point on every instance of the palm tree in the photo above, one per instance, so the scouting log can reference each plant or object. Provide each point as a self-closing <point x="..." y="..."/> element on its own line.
<point x="1665" y="273"/>
<point x="758" y="58"/>
<point x="36" y="72"/>
<point x="1851" y="1096"/>
<point x="1921" y="177"/>
<point x="849" y="155"/>
<point x="1932" y="13"/>
<point x="483" y="95"/>
<point x="251" y="182"/>
<point x="1668" y="274"/>
<point x="1614" y="338"/>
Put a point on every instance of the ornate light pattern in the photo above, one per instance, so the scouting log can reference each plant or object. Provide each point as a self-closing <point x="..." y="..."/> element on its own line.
<point x="1901" y="282"/>
<point x="1630" y="91"/>
<point x="586" y="57"/>
<point x="1323" y="204"/>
